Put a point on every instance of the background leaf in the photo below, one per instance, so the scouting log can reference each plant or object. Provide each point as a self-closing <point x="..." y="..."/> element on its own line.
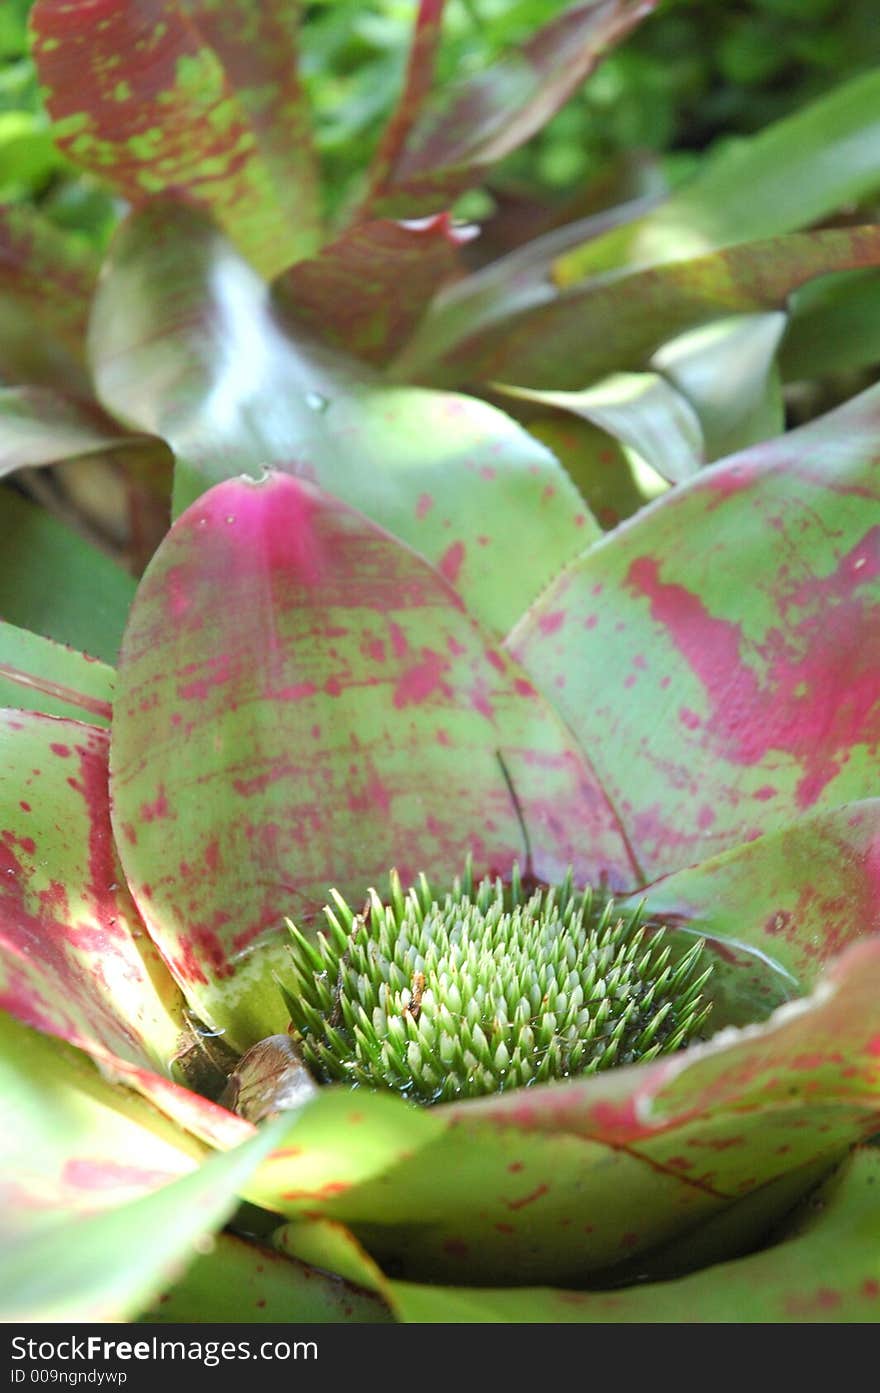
<point x="789" y="175"/>
<point x="476" y="122"/>
<point x="189" y="96"/>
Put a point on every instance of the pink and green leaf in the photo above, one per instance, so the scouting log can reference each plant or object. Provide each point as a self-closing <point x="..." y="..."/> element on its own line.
<point x="54" y="582"/>
<point x="365" y="293"/>
<point x="724" y="688"/>
<point x="474" y="123"/>
<point x="339" y="716"/>
<point x="593" y="327"/>
<point x="191" y="97"/>
<point x="39" y="675"/>
<point x="76" y="960"/>
<point x="186" y="344"/>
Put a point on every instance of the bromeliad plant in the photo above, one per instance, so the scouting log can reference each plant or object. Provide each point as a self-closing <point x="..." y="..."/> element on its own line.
<point x="607" y="776"/>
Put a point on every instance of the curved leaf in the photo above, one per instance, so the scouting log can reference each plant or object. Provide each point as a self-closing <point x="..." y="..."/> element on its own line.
<point x="54" y="582"/>
<point x="40" y="675"/>
<point x="828" y="1272"/>
<point x="340" y="715"/>
<point x="186" y="344"/>
<point x="365" y="293"/>
<point x="192" y="97"/>
<point x="727" y="371"/>
<point x="75" y="960"/>
<point x="105" y="1204"/>
<point x="642" y="411"/>
<point x="594" y="327"/>
<point x="796" y="897"/>
<point x="479" y="120"/>
<point x="722" y="687"/>
<point x="39" y="426"/>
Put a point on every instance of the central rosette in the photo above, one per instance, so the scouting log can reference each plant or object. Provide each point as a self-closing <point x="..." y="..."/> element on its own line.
<point x="487" y="988"/>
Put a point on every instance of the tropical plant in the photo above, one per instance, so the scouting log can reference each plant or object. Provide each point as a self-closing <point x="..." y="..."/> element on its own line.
<point x="385" y="634"/>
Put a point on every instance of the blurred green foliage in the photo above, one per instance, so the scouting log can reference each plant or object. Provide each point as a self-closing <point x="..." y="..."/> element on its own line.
<point x="697" y="71"/>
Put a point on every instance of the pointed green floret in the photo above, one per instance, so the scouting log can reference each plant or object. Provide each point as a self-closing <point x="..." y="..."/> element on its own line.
<point x="487" y="988"/>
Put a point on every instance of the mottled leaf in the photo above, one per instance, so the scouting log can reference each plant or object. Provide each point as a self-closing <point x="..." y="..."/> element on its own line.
<point x="828" y="1272"/>
<point x="46" y="284"/>
<point x="104" y="1203"/>
<point x="365" y="293"/>
<point x="54" y="582"/>
<point x="40" y="675"/>
<point x="238" y="1282"/>
<point x="642" y="410"/>
<point x="190" y="97"/>
<point x="727" y="371"/>
<point x="722" y="687"/>
<point x="594" y="327"/>
<point x="791" y="174"/>
<point x="186" y="344"/>
<point x="475" y="122"/>
<point x="76" y="962"/>
<point x="338" y="715"/>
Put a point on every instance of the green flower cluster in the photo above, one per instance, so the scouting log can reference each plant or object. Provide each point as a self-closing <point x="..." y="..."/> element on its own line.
<point x="487" y="988"/>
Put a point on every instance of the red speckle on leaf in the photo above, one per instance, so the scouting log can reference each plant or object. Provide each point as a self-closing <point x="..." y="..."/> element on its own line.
<point x="451" y="561"/>
<point x="524" y="687"/>
<point x="25" y="807"/>
<point x="157" y="810"/>
<point x="505" y="1228"/>
<point x="873" y="1046"/>
<point x="61" y="750"/>
<point x="422" y="680"/>
<point x="424" y="505"/>
<point x="550" y="623"/>
<point x="817" y="699"/>
<point x="516" y="1166"/>
<point x="536" y="1194"/>
<point x="689" y="718"/>
<point x="399" y="644"/>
